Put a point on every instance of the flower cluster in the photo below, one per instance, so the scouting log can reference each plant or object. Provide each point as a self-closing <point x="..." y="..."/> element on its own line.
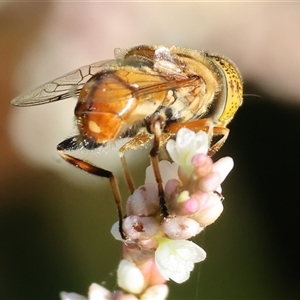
<point x="157" y="248"/>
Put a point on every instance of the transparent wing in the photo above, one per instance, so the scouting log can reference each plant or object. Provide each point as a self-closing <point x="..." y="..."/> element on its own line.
<point x="137" y="80"/>
<point x="63" y="87"/>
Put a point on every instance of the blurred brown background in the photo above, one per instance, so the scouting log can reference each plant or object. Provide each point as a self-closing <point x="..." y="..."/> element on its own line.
<point x="55" y="220"/>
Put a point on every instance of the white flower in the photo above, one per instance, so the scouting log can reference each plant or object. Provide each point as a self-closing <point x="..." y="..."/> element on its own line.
<point x="187" y="144"/>
<point x="96" y="292"/>
<point x="115" y="232"/>
<point x="175" y="258"/>
<point x="223" y="166"/>
<point x="156" y="292"/>
<point x="130" y="278"/>
<point x="141" y="228"/>
<point x="180" y="228"/>
<point x="143" y="201"/>
<point x="210" y="211"/>
<point x="167" y="170"/>
<point x="71" y="296"/>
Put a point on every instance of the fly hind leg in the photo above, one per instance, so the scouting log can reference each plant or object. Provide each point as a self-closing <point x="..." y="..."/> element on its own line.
<point x="72" y="144"/>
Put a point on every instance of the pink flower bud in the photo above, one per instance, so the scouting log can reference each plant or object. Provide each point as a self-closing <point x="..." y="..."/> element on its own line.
<point x="180" y="228"/>
<point x="210" y="211"/>
<point x="143" y="201"/>
<point x="142" y="228"/>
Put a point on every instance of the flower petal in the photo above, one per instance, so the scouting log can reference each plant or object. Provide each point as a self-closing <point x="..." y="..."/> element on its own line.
<point x="130" y="277"/>
<point x="223" y="166"/>
<point x="71" y="296"/>
<point x="98" y="292"/>
<point x="167" y="171"/>
<point x="175" y="258"/>
<point x="210" y="211"/>
<point x="180" y="228"/>
<point x="156" y="292"/>
<point x="187" y="144"/>
<point x="143" y="201"/>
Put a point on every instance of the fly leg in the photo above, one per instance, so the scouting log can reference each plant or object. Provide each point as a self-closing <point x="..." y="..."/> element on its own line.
<point x="136" y="143"/>
<point x="224" y="131"/>
<point x="72" y="144"/>
<point x="156" y="124"/>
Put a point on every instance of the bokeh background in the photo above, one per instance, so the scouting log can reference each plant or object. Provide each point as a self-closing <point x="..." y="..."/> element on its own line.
<point x="55" y="220"/>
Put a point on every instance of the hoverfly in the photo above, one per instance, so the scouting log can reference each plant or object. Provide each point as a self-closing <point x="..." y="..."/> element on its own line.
<point x="145" y="92"/>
